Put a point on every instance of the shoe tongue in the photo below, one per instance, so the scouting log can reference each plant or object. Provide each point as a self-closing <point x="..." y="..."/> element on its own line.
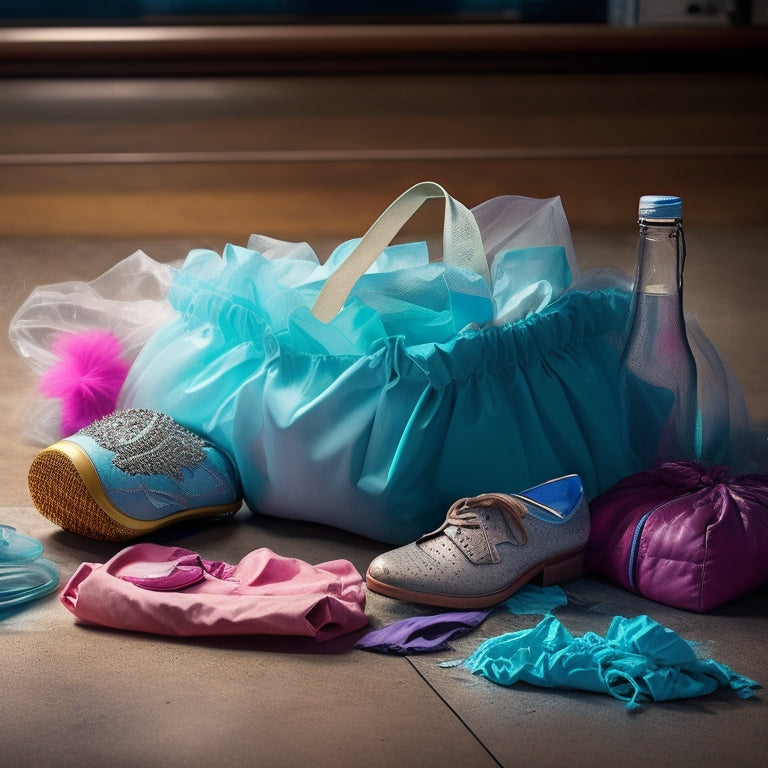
<point x="473" y="544"/>
<point x="479" y="543"/>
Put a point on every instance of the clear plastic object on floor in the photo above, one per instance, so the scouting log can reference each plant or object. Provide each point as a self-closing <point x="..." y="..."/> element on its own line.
<point x="24" y="574"/>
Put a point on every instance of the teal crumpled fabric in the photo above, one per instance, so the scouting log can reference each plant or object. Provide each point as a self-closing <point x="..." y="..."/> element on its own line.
<point x="533" y="599"/>
<point x="637" y="661"/>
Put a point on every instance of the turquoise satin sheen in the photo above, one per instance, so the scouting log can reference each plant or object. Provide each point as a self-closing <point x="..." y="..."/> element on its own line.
<point x="350" y="424"/>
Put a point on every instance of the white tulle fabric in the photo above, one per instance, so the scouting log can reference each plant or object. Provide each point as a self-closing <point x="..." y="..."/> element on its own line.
<point x="130" y="300"/>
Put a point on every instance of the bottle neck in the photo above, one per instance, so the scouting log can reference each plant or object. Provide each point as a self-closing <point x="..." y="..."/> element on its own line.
<point x="660" y="257"/>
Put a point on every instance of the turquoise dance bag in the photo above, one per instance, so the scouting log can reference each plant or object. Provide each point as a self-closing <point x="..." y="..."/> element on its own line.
<point x="371" y="391"/>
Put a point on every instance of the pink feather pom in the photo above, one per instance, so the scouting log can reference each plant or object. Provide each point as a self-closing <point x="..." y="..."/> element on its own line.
<point x="87" y="378"/>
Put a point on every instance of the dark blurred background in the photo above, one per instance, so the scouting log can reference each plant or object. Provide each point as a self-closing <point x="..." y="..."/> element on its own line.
<point x="302" y="11"/>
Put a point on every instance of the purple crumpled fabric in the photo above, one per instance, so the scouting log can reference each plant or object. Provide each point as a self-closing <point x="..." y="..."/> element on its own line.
<point x="427" y="634"/>
<point x="422" y="634"/>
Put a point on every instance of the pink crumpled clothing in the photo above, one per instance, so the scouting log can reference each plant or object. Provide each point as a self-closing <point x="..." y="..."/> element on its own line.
<point x="171" y="591"/>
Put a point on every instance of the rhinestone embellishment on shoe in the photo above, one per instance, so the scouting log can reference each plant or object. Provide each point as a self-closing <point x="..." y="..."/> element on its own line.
<point x="146" y="442"/>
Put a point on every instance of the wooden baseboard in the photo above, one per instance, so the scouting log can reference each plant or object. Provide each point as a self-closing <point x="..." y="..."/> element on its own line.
<point x="299" y="200"/>
<point x="293" y="156"/>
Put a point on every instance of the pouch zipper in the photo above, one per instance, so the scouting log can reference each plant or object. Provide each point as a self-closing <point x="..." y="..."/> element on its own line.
<point x="635" y="546"/>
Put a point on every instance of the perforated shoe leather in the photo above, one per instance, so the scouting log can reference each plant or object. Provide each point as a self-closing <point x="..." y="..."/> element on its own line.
<point x="489" y="547"/>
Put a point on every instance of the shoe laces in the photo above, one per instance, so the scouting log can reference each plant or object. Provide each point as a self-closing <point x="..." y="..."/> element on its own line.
<point x="464" y="513"/>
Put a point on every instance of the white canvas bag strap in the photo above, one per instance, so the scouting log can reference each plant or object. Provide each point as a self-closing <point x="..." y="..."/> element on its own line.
<point x="462" y="245"/>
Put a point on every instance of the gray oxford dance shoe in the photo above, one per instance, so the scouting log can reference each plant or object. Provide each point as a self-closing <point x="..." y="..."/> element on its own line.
<point x="489" y="547"/>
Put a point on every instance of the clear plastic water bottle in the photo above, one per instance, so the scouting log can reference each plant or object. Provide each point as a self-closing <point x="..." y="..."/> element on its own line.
<point x="658" y="372"/>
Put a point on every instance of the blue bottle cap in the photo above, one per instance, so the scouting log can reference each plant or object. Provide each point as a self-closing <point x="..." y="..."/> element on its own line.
<point x="660" y="207"/>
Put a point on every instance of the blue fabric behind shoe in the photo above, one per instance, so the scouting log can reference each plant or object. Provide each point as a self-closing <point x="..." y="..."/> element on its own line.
<point x="533" y="599"/>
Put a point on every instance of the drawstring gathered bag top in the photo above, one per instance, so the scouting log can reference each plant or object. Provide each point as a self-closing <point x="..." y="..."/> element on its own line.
<point x="683" y="534"/>
<point x="370" y="391"/>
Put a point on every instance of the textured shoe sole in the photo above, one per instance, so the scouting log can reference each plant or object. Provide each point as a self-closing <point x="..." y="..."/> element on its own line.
<point x="66" y="489"/>
<point x="561" y="568"/>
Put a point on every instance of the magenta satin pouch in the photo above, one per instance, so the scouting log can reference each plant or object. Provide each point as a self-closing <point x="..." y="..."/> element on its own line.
<point x="683" y="534"/>
<point x="172" y="591"/>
